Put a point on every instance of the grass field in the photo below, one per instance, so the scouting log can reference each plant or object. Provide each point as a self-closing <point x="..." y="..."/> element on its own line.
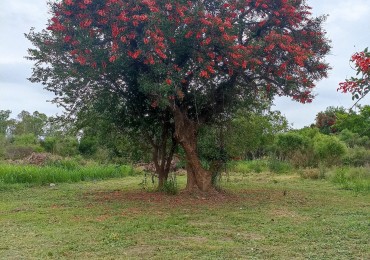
<point x="258" y="216"/>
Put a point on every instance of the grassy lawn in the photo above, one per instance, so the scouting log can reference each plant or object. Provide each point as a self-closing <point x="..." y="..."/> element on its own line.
<point x="259" y="216"/>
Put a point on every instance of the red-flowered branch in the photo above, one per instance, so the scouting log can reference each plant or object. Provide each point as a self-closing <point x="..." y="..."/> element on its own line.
<point x="358" y="86"/>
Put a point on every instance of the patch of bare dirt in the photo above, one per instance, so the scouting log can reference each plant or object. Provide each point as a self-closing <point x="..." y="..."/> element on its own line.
<point x="160" y="198"/>
<point x="185" y="198"/>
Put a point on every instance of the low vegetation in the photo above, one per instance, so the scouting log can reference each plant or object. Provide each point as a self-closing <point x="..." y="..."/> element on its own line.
<point x="257" y="215"/>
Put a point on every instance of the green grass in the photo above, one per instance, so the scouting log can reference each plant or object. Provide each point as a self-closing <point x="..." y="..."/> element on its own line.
<point x="41" y="175"/>
<point x="246" y="167"/>
<point x="352" y="178"/>
<point x="260" y="216"/>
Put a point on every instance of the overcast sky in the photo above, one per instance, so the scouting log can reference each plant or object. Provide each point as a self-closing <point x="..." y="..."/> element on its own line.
<point x="348" y="27"/>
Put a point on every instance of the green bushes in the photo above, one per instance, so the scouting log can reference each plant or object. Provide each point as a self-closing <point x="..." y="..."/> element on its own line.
<point x="245" y="167"/>
<point x="357" y="156"/>
<point x="294" y="148"/>
<point x="329" y="150"/>
<point x="309" y="148"/>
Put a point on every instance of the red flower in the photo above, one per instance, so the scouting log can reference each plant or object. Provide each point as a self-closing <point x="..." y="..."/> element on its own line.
<point x="113" y="58"/>
<point x="134" y="54"/>
<point x="68" y="2"/>
<point x="81" y="60"/>
<point x="86" y="23"/>
<point x="67" y="38"/>
<point x="204" y="74"/>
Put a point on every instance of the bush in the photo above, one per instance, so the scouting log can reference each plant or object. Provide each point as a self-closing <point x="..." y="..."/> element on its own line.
<point x="294" y="148"/>
<point x="25" y="140"/>
<point x="68" y="146"/>
<point x="170" y="186"/>
<point x="245" y="167"/>
<point x="329" y="149"/>
<point x="357" y="156"/>
<point x="49" y="144"/>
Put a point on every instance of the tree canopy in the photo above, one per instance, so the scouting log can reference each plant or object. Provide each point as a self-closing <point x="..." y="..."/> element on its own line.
<point x="178" y="64"/>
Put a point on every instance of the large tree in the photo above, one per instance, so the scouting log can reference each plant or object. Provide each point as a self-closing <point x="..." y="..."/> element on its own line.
<point x="181" y="62"/>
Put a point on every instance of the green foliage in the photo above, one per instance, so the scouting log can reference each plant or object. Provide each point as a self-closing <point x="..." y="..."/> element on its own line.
<point x="354" y="139"/>
<point x="25" y="139"/>
<point x="356" y="122"/>
<point x="357" y="156"/>
<point x="244" y="167"/>
<point x="88" y="145"/>
<point x="279" y="167"/>
<point x="30" y="123"/>
<point x="4" y="121"/>
<point x="3" y="142"/>
<point x="49" y="144"/>
<point x="250" y="134"/>
<point x="295" y="148"/>
<point x="329" y="149"/>
<point x="349" y="178"/>
<point x="170" y="186"/>
<point x="67" y="146"/>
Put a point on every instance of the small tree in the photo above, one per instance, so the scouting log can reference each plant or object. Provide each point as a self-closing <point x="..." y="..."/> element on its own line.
<point x="178" y="63"/>
<point x="4" y="121"/>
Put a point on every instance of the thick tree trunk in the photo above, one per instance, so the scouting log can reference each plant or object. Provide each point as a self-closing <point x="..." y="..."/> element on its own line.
<point x="186" y="135"/>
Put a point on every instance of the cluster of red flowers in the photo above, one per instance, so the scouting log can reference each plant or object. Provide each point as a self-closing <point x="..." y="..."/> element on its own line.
<point x="358" y="86"/>
<point x="148" y="31"/>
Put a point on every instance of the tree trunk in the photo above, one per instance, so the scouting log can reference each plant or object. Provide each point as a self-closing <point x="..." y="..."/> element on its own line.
<point x="162" y="155"/>
<point x="186" y="135"/>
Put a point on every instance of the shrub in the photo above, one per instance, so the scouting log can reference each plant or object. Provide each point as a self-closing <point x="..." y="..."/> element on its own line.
<point x="67" y="146"/>
<point x="295" y="148"/>
<point x="25" y="140"/>
<point x="49" y="144"/>
<point x="170" y="186"/>
<point x="329" y="149"/>
<point x="357" y="156"/>
<point x="245" y="167"/>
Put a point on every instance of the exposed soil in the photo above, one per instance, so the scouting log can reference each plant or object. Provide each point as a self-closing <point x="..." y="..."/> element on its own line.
<point x="185" y="199"/>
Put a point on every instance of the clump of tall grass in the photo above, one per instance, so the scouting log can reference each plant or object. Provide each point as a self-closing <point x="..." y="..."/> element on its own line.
<point x="279" y="167"/>
<point x="41" y="175"/>
<point x="352" y="178"/>
<point x="245" y="167"/>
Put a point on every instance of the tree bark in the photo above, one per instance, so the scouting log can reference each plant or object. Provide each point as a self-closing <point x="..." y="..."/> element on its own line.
<point x="186" y="135"/>
<point x="162" y="155"/>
